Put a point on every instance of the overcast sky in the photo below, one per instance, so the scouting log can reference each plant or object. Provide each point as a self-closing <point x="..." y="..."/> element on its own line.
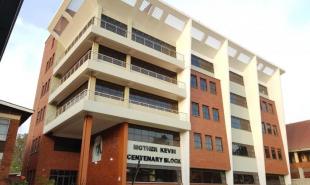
<point x="278" y="30"/>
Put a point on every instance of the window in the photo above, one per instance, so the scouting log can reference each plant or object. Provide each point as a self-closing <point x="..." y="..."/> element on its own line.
<point x="275" y="130"/>
<point x="35" y="145"/>
<point x="4" y="127"/>
<point x="263" y="89"/>
<point x="267" y="152"/>
<point x="212" y="87"/>
<point x="153" y="101"/>
<point x="273" y="153"/>
<point x="219" y="144"/>
<point x="203" y="84"/>
<point x="195" y="109"/>
<point x="216" y="116"/>
<point x="197" y="141"/>
<point x="238" y="100"/>
<point x="239" y="123"/>
<point x="279" y="154"/>
<point x="207" y="176"/>
<point x="201" y="63"/>
<point x="113" y="25"/>
<point x="209" y="145"/>
<point x="152" y="135"/>
<point x="234" y="77"/>
<point x="243" y="179"/>
<point x="270" y="108"/>
<point x="63" y="177"/>
<point x="243" y="150"/>
<point x="152" y="175"/>
<point x="269" y="130"/>
<point x="205" y="111"/>
<point x="193" y="81"/>
<point x="104" y="88"/>
<point x="264" y="106"/>
<point x="263" y="128"/>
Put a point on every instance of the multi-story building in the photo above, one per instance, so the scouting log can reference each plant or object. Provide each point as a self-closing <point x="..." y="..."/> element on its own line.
<point x="124" y="82"/>
<point x="11" y="117"/>
<point x="298" y="138"/>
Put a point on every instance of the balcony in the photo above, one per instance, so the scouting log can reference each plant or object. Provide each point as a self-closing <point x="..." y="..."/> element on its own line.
<point x="107" y="67"/>
<point x="109" y="109"/>
<point x="115" y="35"/>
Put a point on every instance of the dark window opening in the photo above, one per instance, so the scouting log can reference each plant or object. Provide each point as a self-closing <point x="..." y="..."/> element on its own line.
<point x="195" y="109"/>
<point x="207" y="176"/>
<point x="112" y="56"/>
<point x="110" y="90"/>
<point x="194" y="82"/>
<point x="67" y="144"/>
<point x="153" y="175"/>
<point x="63" y="177"/>
<point x="197" y="140"/>
<point x="113" y="25"/>
<point x="234" y="77"/>
<point x="203" y="64"/>
<point x="243" y="150"/>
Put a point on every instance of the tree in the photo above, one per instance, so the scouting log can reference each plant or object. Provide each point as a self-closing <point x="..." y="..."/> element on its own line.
<point x="18" y="155"/>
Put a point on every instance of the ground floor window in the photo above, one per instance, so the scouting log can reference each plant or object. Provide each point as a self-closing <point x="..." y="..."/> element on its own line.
<point x="207" y="176"/>
<point x="275" y="179"/>
<point x="245" y="178"/>
<point x="152" y="175"/>
<point x="63" y="177"/>
<point x="31" y="176"/>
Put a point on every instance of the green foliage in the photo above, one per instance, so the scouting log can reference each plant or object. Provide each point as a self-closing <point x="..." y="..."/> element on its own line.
<point x="45" y="181"/>
<point x="18" y="154"/>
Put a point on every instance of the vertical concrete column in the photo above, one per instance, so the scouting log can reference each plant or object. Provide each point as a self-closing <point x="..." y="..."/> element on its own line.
<point x="253" y="101"/>
<point x="183" y="46"/>
<point x="91" y="87"/>
<point x="126" y="96"/>
<point x="94" y="51"/>
<point x="275" y="93"/>
<point x="128" y="62"/>
<point x="221" y="71"/>
<point x="129" y="28"/>
<point x="296" y="157"/>
<point x="84" y="156"/>
<point x="301" y="173"/>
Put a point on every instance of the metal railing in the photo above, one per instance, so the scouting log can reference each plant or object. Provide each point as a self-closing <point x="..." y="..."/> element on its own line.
<point x="76" y="66"/>
<point x="71" y="102"/>
<point x="111" y="60"/>
<point x="110" y="96"/>
<point x="156" y="46"/>
<point x="113" y="28"/>
<point x="153" y="106"/>
<point x="153" y="74"/>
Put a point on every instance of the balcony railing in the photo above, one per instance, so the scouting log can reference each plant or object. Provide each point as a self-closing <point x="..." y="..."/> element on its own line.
<point x="110" y="96"/>
<point x="84" y="93"/>
<point x="156" y="46"/>
<point x="113" y="28"/>
<point x="71" y="102"/>
<point x="111" y="60"/>
<point x="76" y="66"/>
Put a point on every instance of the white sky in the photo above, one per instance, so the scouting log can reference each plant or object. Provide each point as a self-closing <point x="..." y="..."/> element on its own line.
<point x="278" y="30"/>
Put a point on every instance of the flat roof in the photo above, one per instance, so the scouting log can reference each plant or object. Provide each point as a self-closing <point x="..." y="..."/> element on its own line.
<point x="10" y="108"/>
<point x="9" y="10"/>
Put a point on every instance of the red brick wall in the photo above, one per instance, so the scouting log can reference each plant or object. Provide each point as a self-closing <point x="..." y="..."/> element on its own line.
<point x="111" y="170"/>
<point x="201" y="158"/>
<point x="8" y="151"/>
<point x="274" y="166"/>
<point x="46" y="158"/>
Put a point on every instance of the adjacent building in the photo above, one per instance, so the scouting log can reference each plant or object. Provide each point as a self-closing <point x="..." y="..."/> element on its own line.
<point x="11" y="117"/>
<point x="298" y="137"/>
<point x="124" y="82"/>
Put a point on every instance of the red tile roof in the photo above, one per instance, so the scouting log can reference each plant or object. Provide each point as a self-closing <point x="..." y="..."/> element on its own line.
<point x="298" y="135"/>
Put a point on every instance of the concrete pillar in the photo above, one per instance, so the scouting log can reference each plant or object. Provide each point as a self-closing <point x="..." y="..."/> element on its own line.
<point x="84" y="156"/>
<point x="126" y="96"/>
<point x="95" y="51"/>
<point x="296" y="157"/>
<point x="91" y="87"/>
<point x="128" y="62"/>
<point x="301" y="173"/>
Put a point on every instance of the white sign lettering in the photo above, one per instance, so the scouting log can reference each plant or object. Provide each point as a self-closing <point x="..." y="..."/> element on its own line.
<point x="153" y="154"/>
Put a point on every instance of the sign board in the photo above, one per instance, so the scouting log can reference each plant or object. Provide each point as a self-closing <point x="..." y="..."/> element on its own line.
<point x="153" y="154"/>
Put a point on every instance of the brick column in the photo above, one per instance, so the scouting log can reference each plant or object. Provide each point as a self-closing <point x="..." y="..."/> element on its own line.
<point x="84" y="156"/>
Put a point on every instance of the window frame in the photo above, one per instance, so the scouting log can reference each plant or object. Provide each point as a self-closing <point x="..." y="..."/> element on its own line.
<point x="203" y="86"/>
<point x="219" y="146"/>
<point x="194" y="81"/>
<point x="196" y="142"/>
<point x="206" y="114"/>
<point x="209" y="142"/>
<point x="192" y="109"/>
<point x="215" y="114"/>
